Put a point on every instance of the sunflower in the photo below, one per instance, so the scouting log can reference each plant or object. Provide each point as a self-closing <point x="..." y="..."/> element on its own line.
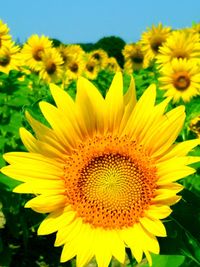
<point x="33" y="50"/>
<point x="70" y="53"/>
<point x="181" y="44"/>
<point x="112" y="64"/>
<point x="74" y="68"/>
<point x="180" y="79"/>
<point x="100" y="56"/>
<point x="152" y="40"/>
<point x="195" y="125"/>
<point x="91" y="68"/>
<point x="105" y="170"/>
<point x="9" y="57"/>
<point x="51" y="68"/>
<point x="134" y="57"/>
<point x="4" y="33"/>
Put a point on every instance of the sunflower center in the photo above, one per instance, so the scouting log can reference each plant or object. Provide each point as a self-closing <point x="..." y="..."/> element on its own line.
<point x="96" y="56"/>
<point x="110" y="186"/>
<point x="50" y="68"/>
<point x="179" y="54"/>
<point x="4" y="60"/>
<point x="137" y="57"/>
<point x="74" y="67"/>
<point x="156" y="42"/>
<point x="181" y="81"/>
<point x="37" y="54"/>
<point x="90" y="67"/>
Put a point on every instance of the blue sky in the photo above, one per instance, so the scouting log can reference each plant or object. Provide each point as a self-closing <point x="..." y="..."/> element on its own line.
<point x="89" y="20"/>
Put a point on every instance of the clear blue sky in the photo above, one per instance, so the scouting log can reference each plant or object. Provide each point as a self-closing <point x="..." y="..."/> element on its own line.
<point x="74" y="21"/>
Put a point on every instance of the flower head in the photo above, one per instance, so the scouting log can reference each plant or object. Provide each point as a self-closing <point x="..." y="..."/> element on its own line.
<point x="180" y="44"/>
<point x="134" y="57"/>
<point x="180" y="79"/>
<point x="106" y="170"/>
<point x="51" y="66"/>
<point x="34" y="49"/>
<point x="9" y="57"/>
<point x="152" y="40"/>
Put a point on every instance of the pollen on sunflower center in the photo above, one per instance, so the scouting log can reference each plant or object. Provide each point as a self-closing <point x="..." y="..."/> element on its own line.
<point x="108" y="186"/>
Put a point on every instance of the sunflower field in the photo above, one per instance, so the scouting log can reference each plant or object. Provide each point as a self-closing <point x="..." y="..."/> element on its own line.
<point x="100" y="150"/>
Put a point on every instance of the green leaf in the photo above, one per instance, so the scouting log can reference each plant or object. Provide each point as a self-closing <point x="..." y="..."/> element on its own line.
<point x="183" y="234"/>
<point x="165" y="261"/>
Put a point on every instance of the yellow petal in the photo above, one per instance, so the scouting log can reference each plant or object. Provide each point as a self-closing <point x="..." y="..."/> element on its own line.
<point x="92" y="106"/>
<point x="102" y="248"/>
<point x="158" y="212"/>
<point x="44" y="134"/>
<point x="36" y="146"/>
<point x="67" y="134"/>
<point x="131" y="237"/>
<point x="153" y="226"/>
<point x="46" y="203"/>
<point x="52" y="222"/>
<point x="41" y="187"/>
<point x="66" y="233"/>
<point x="138" y="119"/>
<point x="85" y="241"/>
<point x="68" y="252"/>
<point x="129" y="102"/>
<point x="115" y="103"/>
<point x="181" y="149"/>
<point x="161" y="137"/>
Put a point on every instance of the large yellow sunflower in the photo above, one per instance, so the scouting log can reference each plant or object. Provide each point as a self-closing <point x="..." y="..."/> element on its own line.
<point x="181" y="44"/>
<point x="51" y="69"/>
<point x="33" y="50"/>
<point x="152" y="40"/>
<point x="106" y="170"/>
<point x="133" y="57"/>
<point x="180" y="79"/>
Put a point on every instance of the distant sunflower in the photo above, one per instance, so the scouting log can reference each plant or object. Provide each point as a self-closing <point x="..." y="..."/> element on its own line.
<point x="74" y="68"/>
<point x="4" y="33"/>
<point x="91" y="68"/>
<point x="152" y="40"/>
<point x="33" y="50"/>
<point x="180" y="79"/>
<point x="106" y="170"/>
<point x="195" y="126"/>
<point x="70" y="53"/>
<point x="133" y="57"/>
<point x="9" y="57"/>
<point x="100" y="56"/>
<point x="51" y="68"/>
<point x="181" y="44"/>
<point x="112" y="65"/>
